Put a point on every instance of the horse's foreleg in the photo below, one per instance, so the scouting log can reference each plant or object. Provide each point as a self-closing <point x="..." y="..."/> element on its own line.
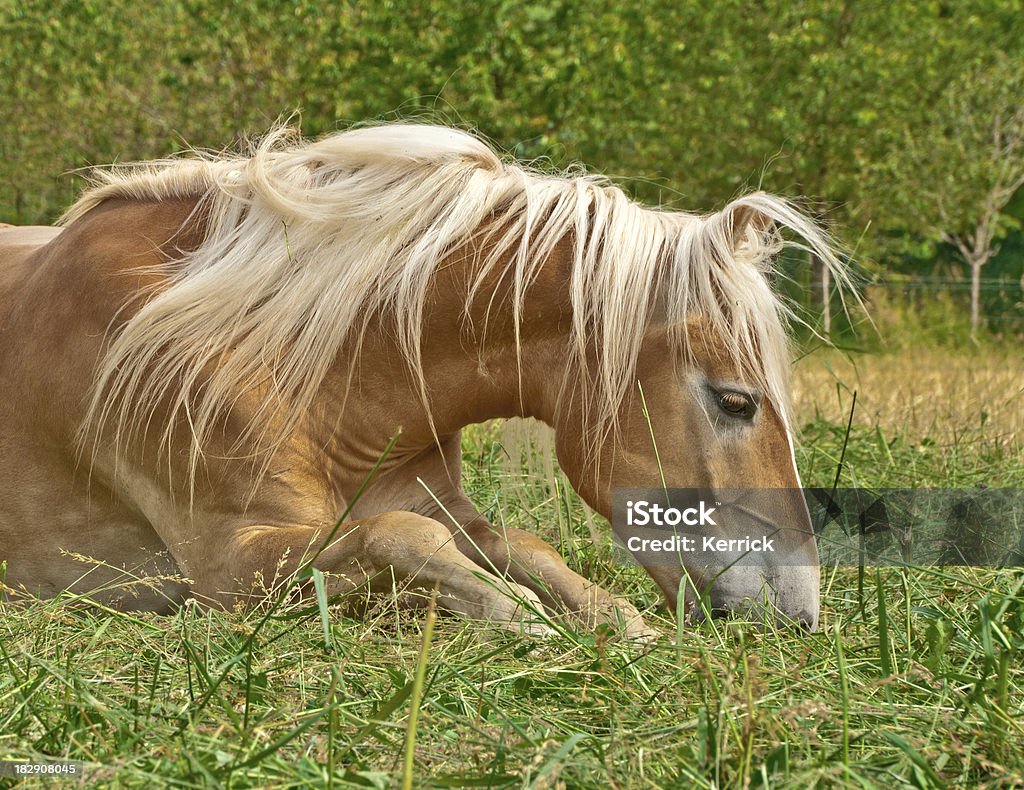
<point x="537" y="565"/>
<point x="392" y="550"/>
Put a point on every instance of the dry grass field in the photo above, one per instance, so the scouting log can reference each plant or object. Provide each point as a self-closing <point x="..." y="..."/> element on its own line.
<point x="925" y="416"/>
<point x="921" y="393"/>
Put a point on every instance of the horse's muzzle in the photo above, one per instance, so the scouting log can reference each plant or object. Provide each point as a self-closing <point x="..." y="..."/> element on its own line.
<point x="787" y="597"/>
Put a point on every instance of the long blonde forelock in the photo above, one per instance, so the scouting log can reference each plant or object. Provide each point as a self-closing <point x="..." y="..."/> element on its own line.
<point x="306" y="240"/>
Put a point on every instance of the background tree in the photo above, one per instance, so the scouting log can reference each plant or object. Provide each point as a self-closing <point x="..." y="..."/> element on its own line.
<point x="972" y="160"/>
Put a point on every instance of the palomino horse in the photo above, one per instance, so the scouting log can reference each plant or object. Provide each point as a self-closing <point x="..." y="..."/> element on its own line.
<point x="201" y="369"/>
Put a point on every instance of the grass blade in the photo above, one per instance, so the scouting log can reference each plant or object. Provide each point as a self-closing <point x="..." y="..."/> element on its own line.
<point x="321" y="601"/>
<point x="417" y="692"/>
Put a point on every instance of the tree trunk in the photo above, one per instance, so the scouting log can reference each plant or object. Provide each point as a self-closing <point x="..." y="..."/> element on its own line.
<point x="976" y="264"/>
<point x="976" y="250"/>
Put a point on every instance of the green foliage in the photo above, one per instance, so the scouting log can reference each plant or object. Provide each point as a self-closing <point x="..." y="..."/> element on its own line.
<point x="706" y="99"/>
<point x="685" y="103"/>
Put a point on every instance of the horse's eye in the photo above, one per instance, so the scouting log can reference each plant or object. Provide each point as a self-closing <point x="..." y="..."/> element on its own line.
<point x="737" y="404"/>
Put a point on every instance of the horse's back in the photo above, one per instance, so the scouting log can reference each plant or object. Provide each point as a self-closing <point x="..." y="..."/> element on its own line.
<point x="19" y="241"/>
<point x="17" y="245"/>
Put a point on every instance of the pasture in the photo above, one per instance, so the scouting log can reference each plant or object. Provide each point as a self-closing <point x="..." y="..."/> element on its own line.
<point x="914" y="678"/>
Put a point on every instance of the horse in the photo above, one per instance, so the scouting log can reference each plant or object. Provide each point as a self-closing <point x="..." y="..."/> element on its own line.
<point x="218" y="369"/>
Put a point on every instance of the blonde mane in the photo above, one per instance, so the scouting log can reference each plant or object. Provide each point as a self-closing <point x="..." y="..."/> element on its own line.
<point x="306" y="241"/>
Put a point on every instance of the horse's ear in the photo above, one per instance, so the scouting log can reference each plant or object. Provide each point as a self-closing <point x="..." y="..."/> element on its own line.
<point x="742" y="215"/>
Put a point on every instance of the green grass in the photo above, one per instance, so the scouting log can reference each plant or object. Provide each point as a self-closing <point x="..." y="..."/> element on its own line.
<point x="913" y="680"/>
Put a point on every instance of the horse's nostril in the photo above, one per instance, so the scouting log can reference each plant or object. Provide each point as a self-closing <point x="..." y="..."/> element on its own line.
<point x="806" y="620"/>
<point x="700" y="613"/>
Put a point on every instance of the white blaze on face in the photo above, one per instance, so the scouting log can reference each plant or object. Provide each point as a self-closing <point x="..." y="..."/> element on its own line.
<point x="812" y="574"/>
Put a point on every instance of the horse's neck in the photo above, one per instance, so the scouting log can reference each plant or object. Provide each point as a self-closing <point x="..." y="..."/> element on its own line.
<point x="474" y="370"/>
<point x="463" y="385"/>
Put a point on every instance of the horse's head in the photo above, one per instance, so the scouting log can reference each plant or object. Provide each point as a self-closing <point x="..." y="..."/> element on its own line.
<point x="715" y="431"/>
<point x="706" y="408"/>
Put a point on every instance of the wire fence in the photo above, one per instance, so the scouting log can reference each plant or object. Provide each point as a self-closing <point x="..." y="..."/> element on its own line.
<point x="953" y="284"/>
<point x="1001" y="298"/>
<point x="927" y="304"/>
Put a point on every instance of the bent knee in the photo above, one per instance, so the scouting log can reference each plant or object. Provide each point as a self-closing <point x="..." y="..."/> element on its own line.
<point x="407" y="532"/>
